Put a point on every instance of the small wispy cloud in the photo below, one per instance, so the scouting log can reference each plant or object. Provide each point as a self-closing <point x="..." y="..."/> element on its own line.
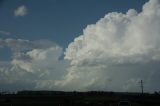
<point x="4" y="33"/>
<point x="21" y="11"/>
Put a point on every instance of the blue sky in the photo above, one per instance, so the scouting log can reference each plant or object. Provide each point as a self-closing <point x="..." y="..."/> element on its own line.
<point x="57" y="20"/>
<point x="79" y="44"/>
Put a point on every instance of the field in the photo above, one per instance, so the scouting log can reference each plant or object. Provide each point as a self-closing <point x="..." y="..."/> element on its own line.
<point x="93" y="98"/>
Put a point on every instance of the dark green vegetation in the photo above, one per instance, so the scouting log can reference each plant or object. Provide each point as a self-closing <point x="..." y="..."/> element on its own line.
<point x="93" y="98"/>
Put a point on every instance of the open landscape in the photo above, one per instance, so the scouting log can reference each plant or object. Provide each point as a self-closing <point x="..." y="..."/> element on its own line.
<point x="79" y="52"/>
<point x="92" y="98"/>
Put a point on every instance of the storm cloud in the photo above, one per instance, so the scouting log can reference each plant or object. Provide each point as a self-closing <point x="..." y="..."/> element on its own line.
<point x="113" y="54"/>
<point x="117" y="52"/>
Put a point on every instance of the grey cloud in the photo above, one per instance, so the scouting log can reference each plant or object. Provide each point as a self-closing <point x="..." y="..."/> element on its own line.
<point x="34" y="63"/>
<point x="4" y="33"/>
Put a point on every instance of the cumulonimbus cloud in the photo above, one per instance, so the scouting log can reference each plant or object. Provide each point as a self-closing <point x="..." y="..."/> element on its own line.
<point x="116" y="50"/>
<point x="120" y="37"/>
<point x="113" y="54"/>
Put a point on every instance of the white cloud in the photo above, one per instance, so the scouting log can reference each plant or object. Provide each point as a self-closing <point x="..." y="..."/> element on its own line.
<point x="115" y="50"/>
<point x="114" y="54"/>
<point x="21" y="11"/>
<point x="34" y="64"/>
<point x="40" y="60"/>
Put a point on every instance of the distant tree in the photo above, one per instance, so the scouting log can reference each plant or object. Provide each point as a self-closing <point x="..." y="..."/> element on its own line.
<point x="156" y="93"/>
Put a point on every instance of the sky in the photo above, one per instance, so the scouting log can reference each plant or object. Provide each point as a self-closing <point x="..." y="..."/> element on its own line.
<point x="57" y="20"/>
<point x="79" y="45"/>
